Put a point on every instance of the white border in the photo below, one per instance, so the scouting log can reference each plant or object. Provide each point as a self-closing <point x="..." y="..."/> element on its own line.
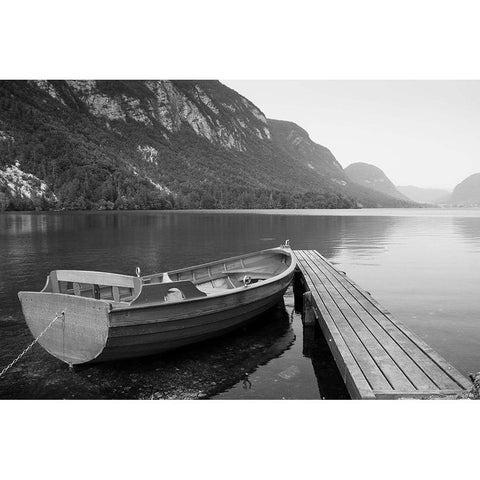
<point x="252" y="39"/>
<point x="239" y="40"/>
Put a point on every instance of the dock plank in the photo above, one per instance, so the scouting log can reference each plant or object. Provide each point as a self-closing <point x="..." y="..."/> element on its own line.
<point x="350" y="371"/>
<point x="358" y="340"/>
<point x="377" y="356"/>
<point x="399" y="368"/>
<point x="393" y="349"/>
<point x="410" y="344"/>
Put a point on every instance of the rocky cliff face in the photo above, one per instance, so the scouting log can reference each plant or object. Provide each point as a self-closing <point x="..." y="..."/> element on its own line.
<point x="467" y="193"/>
<point x="228" y="121"/>
<point x="372" y="177"/>
<point x="160" y="144"/>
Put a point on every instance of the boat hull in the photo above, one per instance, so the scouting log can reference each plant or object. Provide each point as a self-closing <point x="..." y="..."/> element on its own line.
<point x="157" y="330"/>
<point x="98" y="330"/>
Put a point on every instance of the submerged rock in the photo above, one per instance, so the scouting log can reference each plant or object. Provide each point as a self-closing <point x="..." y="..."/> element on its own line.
<point x="474" y="392"/>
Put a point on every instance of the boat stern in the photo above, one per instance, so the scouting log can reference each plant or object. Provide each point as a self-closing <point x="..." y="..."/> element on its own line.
<point x="78" y="336"/>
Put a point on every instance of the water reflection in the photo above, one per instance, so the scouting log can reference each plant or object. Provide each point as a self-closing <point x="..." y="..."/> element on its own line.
<point x="425" y="276"/>
<point x="469" y="230"/>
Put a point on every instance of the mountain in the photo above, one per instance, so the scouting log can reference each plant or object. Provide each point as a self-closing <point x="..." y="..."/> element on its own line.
<point x="321" y="167"/>
<point x="424" y="195"/>
<point x="467" y="193"/>
<point x="160" y="144"/>
<point x="372" y="177"/>
<point x="295" y="142"/>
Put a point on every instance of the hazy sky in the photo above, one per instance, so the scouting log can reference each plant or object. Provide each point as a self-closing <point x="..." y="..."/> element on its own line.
<point x="423" y="133"/>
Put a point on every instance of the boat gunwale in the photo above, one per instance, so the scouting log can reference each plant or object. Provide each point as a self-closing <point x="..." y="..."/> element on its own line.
<point x="117" y="307"/>
<point x="237" y="257"/>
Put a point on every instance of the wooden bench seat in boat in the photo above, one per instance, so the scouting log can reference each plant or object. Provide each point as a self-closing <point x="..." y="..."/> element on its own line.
<point x="155" y="292"/>
<point x="98" y="285"/>
<point x="125" y="289"/>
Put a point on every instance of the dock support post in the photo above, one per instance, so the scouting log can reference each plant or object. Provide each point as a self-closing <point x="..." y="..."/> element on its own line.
<point x="308" y="340"/>
<point x="298" y="290"/>
<point x="308" y="311"/>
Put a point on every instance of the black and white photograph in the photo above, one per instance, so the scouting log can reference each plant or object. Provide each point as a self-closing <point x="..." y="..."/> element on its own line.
<point x="167" y="239"/>
<point x="191" y="210"/>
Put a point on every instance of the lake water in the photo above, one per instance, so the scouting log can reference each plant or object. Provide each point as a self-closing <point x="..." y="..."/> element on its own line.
<point x="422" y="265"/>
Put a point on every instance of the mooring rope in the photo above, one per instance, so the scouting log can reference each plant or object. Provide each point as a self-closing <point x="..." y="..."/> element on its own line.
<point x="13" y="362"/>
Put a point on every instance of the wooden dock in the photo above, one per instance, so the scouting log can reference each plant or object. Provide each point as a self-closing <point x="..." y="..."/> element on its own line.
<point x="377" y="356"/>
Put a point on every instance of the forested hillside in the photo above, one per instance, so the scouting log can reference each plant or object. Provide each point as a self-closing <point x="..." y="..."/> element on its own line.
<point x="159" y="144"/>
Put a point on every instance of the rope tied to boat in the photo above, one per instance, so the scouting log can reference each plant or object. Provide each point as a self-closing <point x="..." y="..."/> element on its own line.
<point x="25" y="351"/>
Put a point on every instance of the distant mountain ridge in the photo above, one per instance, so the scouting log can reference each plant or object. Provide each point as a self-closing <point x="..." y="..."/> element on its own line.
<point x="373" y="177"/>
<point x="467" y="192"/>
<point x="160" y="144"/>
<point x="424" y="195"/>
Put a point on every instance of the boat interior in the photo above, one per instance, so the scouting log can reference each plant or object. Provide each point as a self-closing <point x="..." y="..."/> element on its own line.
<point x="194" y="282"/>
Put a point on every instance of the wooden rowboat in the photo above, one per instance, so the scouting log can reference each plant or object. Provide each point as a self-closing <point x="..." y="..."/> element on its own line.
<point x="109" y="316"/>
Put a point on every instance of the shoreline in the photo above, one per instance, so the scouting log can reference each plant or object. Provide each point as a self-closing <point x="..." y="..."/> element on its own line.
<point x="372" y="212"/>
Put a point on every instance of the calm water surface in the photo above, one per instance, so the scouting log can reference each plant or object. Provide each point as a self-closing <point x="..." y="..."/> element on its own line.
<point x="423" y="265"/>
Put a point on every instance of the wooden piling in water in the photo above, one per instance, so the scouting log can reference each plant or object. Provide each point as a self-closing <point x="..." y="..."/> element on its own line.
<point x="308" y="314"/>
<point x="298" y="290"/>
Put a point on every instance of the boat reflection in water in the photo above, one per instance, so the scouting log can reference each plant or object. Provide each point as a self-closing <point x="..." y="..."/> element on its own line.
<point x="299" y="365"/>
<point x="198" y="371"/>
